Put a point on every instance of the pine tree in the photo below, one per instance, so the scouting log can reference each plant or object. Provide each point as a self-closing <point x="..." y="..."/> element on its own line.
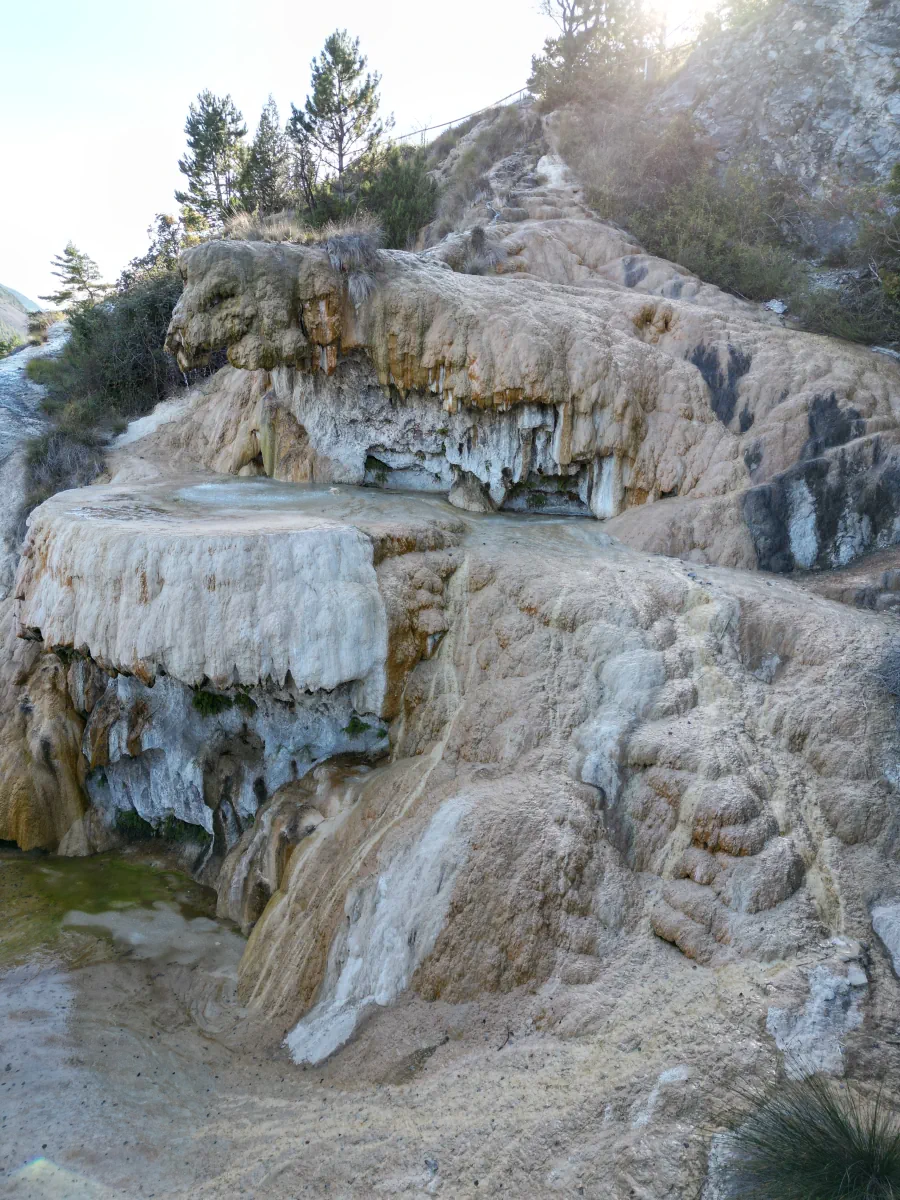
<point x="264" y="181"/>
<point x="81" y="279"/>
<point x="304" y="168"/>
<point x="215" y="158"/>
<point x="340" y="117"/>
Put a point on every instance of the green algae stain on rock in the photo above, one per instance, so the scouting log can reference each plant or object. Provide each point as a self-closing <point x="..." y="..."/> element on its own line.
<point x="38" y="890"/>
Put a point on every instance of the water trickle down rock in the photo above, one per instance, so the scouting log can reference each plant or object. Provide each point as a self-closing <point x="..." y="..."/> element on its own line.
<point x="393" y="921"/>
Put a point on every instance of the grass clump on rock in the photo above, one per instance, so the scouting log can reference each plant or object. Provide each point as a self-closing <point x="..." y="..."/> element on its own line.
<point x="210" y="704"/>
<point x="817" y="1140"/>
<point x="62" y="458"/>
<point x="245" y="703"/>
<point x="173" y="829"/>
<point x="355" y="727"/>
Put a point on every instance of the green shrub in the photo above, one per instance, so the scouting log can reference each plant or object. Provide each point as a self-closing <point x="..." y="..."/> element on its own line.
<point x="662" y="186"/>
<point x="725" y="231"/>
<point x="401" y="194"/>
<point x="9" y="340"/>
<point x="111" y="368"/>
<point x="113" y="364"/>
<point x="39" y="325"/>
<point x="859" y="311"/>
<point x="744" y="229"/>
<point x="246" y="703"/>
<point x="58" y="460"/>
<point x="389" y="189"/>
<point x="815" y="1140"/>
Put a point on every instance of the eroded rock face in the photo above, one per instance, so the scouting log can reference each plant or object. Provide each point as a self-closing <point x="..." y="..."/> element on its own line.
<point x="149" y="749"/>
<point x="626" y="747"/>
<point x="623" y="810"/>
<point x="578" y="379"/>
<point x="464" y="771"/>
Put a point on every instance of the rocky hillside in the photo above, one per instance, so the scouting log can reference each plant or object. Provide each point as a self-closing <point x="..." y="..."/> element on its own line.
<point x="14" y="310"/>
<point x="811" y="87"/>
<point x="454" y="632"/>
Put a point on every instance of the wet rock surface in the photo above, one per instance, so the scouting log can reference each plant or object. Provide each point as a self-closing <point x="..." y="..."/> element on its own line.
<point x="20" y="419"/>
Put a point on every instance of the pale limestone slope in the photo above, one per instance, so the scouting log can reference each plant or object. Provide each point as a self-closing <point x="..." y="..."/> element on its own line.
<point x="471" y="774"/>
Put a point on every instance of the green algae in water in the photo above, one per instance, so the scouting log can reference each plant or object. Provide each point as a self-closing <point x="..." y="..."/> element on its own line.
<point x="37" y="890"/>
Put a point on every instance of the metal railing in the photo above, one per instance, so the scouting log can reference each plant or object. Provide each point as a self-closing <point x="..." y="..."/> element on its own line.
<point x="513" y="97"/>
<point x="648" y="59"/>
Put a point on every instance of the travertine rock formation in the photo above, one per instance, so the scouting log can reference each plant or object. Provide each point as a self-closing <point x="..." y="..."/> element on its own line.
<point x="461" y="770"/>
<point x="224" y="645"/>
<point x="739" y="441"/>
<point x="42" y="770"/>
<point x="635" y="751"/>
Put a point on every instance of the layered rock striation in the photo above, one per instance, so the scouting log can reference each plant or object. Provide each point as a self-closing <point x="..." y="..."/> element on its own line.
<point x="215" y="641"/>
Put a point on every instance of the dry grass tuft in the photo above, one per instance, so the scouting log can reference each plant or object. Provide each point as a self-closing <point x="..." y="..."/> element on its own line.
<point x="816" y="1140"/>
<point x="352" y="245"/>
<point x="278" y="227"/>
<point x="288" y="226"/>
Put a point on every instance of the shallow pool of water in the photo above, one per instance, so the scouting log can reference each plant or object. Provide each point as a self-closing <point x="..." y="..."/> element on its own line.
<point x="37" y="891"/>
<point x="116" y="983"/>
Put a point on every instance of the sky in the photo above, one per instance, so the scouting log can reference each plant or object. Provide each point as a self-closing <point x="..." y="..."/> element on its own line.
<point x="94" y="95"/>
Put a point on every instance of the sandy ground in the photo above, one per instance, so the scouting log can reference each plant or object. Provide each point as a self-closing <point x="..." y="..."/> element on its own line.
<point x="127" y="1068"/>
